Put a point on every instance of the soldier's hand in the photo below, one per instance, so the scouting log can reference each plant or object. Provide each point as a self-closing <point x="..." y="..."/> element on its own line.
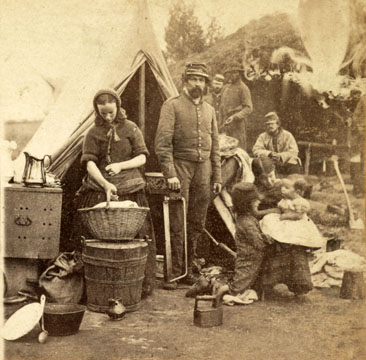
<point x="217" y="188"/>
<point x="275" y="156"/>
<point x="173" y="183"/>
<point x="229" y="119"/>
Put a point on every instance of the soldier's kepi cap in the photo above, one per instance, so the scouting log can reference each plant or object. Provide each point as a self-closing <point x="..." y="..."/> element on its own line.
<point x="219" y="78"/>
<point x="271" y="116"/>
<point x="235" y="66"/>
<point x="196" y="68"/>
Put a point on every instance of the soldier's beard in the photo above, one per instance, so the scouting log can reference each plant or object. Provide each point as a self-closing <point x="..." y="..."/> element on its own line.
<point x="195" y="92"/>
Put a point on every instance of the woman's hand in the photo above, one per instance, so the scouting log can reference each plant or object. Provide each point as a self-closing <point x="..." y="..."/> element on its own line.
<point x="291" y="215"/>
<point x="110" y="187"/>
<point x="135" y="162"/>
<point x="113" y="169"/>
<point x="111" y="193"/>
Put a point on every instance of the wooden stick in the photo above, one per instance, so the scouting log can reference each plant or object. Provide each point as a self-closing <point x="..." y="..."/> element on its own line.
<point x="323" y="146"/>
<point x="353" y="224"/>
<point x="307" y="158"/>
<point x="221" y="245"/>
<point x="142" y="99"/>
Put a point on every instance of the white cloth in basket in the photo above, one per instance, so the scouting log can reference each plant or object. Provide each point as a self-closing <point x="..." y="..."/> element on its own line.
<point x="117" y="204"/>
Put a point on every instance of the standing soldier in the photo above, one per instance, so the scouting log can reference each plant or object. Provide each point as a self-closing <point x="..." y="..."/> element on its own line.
<point x="236" y="105"/>
<point x="214" y="97"/>
<point x="187" y="148"/>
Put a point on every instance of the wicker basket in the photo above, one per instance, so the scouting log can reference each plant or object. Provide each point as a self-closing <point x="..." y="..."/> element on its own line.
<point x="114" y="223"/>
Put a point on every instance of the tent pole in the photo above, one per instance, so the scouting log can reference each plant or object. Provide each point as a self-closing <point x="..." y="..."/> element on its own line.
<point x="142" y="99"/>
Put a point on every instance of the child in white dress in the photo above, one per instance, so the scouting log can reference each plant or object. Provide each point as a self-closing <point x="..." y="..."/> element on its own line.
<point x="292" y="226"/>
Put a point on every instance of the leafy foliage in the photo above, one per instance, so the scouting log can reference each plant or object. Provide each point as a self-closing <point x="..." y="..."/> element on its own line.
<point x="255" y="41"/>
<point x="214" y="33"/>
<point x="184" y="35"/>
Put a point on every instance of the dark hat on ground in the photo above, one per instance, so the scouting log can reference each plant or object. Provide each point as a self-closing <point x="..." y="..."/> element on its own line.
<point x="236" y="66"/>
<point x="244" y="193"/>
<point x="262" y="166"/>
<point x="219" y="78"/>
<point x="196" y="68"/>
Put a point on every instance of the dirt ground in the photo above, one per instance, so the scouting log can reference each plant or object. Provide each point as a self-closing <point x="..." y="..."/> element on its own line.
<point x="319" y="326"/>
<point x="323" y="326"/>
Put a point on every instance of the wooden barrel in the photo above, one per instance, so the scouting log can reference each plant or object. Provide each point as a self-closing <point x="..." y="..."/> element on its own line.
<point x="114" y="270"/>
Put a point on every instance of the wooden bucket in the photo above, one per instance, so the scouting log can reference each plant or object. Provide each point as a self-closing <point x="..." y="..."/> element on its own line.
<point x="114" y="270"/>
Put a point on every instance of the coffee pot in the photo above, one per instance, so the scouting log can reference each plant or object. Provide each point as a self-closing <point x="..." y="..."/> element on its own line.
<point x="35" y="170"/>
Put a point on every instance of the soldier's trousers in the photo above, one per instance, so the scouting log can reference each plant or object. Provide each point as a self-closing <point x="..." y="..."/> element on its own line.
<point x="195" y="178"/>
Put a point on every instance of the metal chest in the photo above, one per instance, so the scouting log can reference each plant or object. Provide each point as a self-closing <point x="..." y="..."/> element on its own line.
<point x="32" y="221"/>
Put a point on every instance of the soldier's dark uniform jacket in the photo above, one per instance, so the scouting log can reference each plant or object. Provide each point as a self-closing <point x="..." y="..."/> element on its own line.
<point x="215" y="101"/>
<point x="187" y="131"/>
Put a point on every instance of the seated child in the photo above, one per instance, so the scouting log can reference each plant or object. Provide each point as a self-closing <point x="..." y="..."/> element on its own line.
<point x="267" y="184"/>
<point x="292" y="226"/>
<point x="251" y="243"/>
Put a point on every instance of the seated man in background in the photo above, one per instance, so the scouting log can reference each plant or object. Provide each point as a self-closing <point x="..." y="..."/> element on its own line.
<point x="279" y="145"/>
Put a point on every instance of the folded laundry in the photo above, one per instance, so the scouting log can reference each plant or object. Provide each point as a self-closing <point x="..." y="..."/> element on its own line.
<point x="327" y="268"/>
<point x="247" y="297"/>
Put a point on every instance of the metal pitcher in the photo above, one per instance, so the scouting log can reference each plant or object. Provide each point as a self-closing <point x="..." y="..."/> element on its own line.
<point x="35" y="170"/>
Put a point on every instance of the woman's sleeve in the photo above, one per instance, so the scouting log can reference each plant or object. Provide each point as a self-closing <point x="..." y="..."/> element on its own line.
<point x="250" y="231"/>
<point x="90" y="148"/>
<point x="138" y="143"/>
<point x="282" y="205"/>
<point x="286" y="205"/>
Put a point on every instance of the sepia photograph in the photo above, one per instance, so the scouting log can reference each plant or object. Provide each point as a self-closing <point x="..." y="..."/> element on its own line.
<point x="183" y="179"/>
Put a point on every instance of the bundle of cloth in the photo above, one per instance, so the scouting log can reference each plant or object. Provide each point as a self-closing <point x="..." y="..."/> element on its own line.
<point x="211" y="279"/>
<point x="327" y="268"/>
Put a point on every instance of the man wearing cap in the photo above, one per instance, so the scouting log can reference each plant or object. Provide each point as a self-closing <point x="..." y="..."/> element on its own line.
<point x="214" y="97"/>
<point x="279" y="145"/>
<point x="236" y="105"/>
<point x="187" y="148"/>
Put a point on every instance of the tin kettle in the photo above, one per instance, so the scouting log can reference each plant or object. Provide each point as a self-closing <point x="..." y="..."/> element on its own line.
<point x="35" y="170"/>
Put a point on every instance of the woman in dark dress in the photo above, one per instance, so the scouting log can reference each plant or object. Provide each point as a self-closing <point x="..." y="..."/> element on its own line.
<point x="113" y="151"/>
<point x="286" y="263"/>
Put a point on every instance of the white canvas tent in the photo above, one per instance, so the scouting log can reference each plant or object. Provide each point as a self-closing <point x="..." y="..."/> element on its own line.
<point x="135" y="67"/>
<point x="133" y="64"/>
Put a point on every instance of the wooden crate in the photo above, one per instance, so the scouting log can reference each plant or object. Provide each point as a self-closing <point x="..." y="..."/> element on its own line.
<point x="32" y="221"/>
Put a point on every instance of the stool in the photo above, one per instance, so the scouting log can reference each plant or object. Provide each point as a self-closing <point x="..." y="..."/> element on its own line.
<point x="156" y="184"/>
<point x="168" y="245"/>
<point x="353" y="286"/>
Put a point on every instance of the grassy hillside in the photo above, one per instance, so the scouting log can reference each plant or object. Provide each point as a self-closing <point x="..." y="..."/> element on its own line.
<point x="259" y="38"/>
